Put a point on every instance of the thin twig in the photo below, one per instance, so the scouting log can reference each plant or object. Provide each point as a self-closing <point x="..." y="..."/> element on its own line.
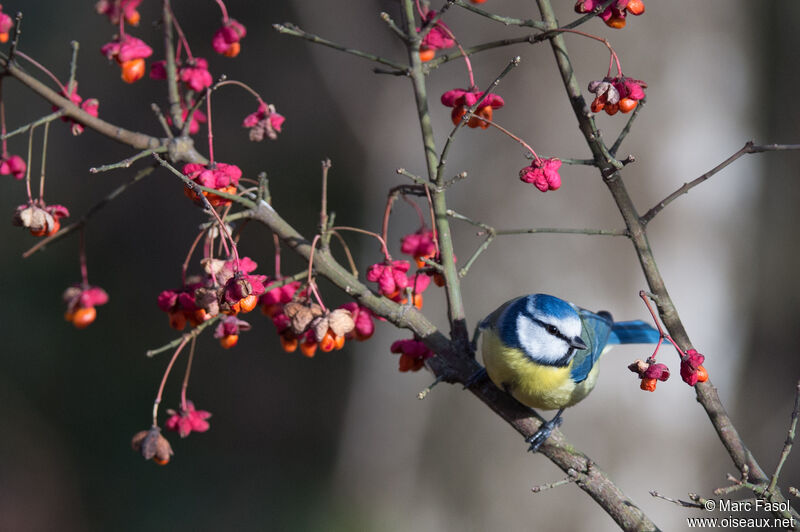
<point x="294" y="31"/>
<point x="392" y="26"/>
<point x="183" y="338"/>
<point x="508" y="21"/>
<point x="430" y="24"/>
<point x="787" y="445"/>
<point x="173" y="93"/>
<point x="572" y="476"/>
<point x="749" y="147"/>
<point x="162" y="120"/>
<point x="627" y="129"/>
<point x="125" y="163"/>
<point x="415" y="178"/>
<point x="195" y="187"/>
<point x="534" y="230"/>
<point x="439" y="181"/>
<point x="585" y="162"/>
<point x="44" y="120"/>
<point x="679" y="502"/>
<point x="144" y="172"/>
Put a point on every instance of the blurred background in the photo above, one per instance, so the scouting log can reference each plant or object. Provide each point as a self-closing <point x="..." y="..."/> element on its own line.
<point x="340" y="441"/>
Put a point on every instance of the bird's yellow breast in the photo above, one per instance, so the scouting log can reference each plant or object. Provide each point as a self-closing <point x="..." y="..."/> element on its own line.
<point x="532" y="384"/>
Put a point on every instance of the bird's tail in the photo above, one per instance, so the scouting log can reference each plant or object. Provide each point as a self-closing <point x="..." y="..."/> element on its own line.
<point x="633" y="332"/>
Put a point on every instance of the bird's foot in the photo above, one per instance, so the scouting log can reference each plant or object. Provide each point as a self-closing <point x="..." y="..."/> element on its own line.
<point x="475" y="378"/>
<point x="540" y="436"/>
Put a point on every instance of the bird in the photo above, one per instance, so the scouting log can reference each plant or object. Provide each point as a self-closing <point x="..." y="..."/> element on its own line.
<point x="544" y="351"/>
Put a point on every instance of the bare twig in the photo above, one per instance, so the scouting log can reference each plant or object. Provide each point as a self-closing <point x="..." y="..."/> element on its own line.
<point x="125" y="163"/>
<point x="609" y="168"/>
<point x="36" y="123"/>
<point x="749" y="147"/>
<point x="392" y="26"/>
<point x="787" y="445"/>
<point x="194" y="333"/>
<point x="439" y="180"/>
<point x="508" y="21"/>
<point x="627" y="129"/>
<point x="686" y="504"/>
<point x="294" y="31"/>
<point x="141" y="174"/>
<point x="572" y="476"/>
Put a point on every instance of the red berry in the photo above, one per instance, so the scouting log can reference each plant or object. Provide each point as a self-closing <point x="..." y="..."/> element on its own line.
<point x="83" y="317"/>
<point x="626" y="105"/>
<point x="133" y="70"/>
<point x="229" y="340"/>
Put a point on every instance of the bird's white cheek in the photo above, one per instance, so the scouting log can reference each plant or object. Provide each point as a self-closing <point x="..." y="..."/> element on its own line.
<point x="538" y="343"/>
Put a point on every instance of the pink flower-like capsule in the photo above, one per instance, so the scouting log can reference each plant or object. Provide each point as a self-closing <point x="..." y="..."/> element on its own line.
<point x="195" y="74"/>
<point x="462" y="99"/>
<point x="221" y="176"/>
<point x="181" y="306"/>
<point x="650" y="373"/>
<point x="91" y="106"/>
<point x="616" y="94"/>
<point x="241" y="292"/>
<point x="226" y="39"/>
<point x="158" y="69"/>
<point x="227" y="332"/>
<point x="418" y="284"/>
<point x="5" y="25"/>
<point x="130" y="53"/>
<point x="419" y="245"/>
<point x="692" y="370"/>
<point x="81" y="303"/>
<point x="152" y="445"/>
<point x="413" y="354"/>
<point x="114" y="9"/>
<point x="40" y="219"/>
<point x="438" y="38"/>
<point x="184" y="422"/>
<point x="265" y="122"/>
<point x="231" y="268"/>
<point x="390" y="276"/>
<point x="543" y="174"/>
<point x="13" y="165"/>
<point x="198" y="117"/>
<point x="614" y="15"/>
<point x="273" y="299"/>
<point x="364" y="324"/>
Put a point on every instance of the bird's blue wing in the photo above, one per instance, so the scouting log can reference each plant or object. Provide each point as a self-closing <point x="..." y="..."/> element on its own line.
<point x="595" y="333"/>
<point x="633" y="332"/>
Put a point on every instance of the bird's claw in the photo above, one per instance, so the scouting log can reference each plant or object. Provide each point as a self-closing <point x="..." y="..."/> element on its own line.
<point x="475" y="378"/>
<point x="540" y="436"/>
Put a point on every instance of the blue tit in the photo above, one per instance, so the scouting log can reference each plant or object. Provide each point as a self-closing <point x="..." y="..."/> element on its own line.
<point x="544" y="351"/>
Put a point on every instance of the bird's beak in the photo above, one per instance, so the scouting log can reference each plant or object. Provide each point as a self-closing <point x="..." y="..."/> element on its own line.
<point x="577" y="343"/>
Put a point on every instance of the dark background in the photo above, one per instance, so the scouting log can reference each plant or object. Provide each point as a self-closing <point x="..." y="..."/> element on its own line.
<point x="339" y="442"/>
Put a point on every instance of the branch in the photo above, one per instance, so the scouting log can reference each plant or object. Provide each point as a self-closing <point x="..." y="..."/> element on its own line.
<point x="181" y="148"/>
<point x="457" y="365"/>
<point x="530" y="39"/>
<point x="747" y="148"/>
<point x="455" y="305"/>
<point x="508" y="21"/>
<point x="609" y="170"/>
<point x="787" y="445"/>
<point x="294" y="31"/>
<point x="627" y="129"/>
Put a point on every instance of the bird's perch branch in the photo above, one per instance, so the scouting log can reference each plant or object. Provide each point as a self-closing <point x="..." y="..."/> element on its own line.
<point x="609" y="169"/>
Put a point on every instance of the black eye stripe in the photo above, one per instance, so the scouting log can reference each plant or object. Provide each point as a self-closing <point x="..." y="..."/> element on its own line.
<point x="552" y="329"/>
